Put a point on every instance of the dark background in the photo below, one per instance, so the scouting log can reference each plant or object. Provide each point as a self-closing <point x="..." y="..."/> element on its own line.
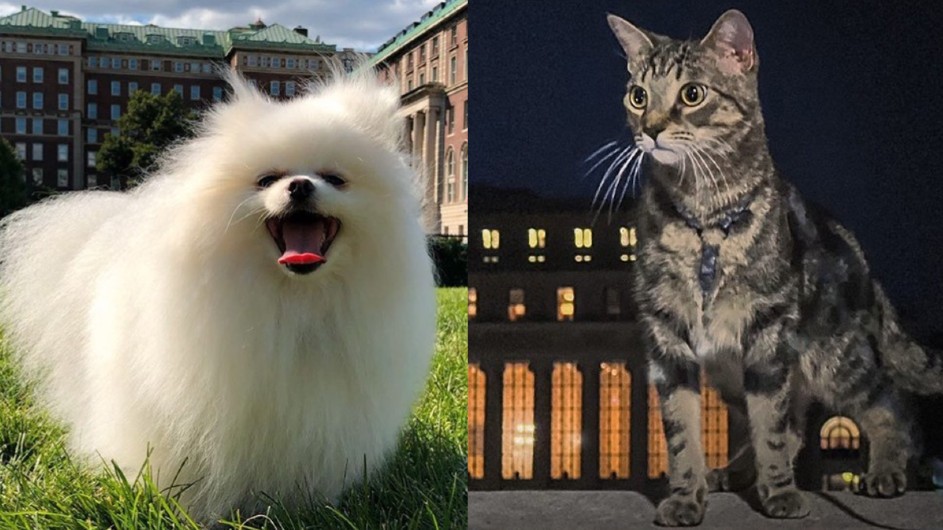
<point x="852" y="92"/>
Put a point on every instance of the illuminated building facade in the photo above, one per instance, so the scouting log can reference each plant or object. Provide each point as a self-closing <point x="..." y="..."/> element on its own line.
<point x="557" y="378"/>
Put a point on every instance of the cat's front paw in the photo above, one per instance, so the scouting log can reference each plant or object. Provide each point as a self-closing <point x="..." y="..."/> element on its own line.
<point x="887" y="483"/>
<point x="786" y="504"/>
<point x="680" y="510"/>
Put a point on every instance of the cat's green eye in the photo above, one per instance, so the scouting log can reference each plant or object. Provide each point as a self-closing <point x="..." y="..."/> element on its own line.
<point x="638" y="98"/>
<point x="692" y="94"/>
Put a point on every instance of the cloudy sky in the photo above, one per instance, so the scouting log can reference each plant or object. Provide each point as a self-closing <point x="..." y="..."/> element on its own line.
<point x="359" y="24"/>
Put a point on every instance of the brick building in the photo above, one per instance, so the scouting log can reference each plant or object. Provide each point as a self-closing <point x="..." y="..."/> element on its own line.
<point x="65" y="82"/>
<point x="429" y="61"/>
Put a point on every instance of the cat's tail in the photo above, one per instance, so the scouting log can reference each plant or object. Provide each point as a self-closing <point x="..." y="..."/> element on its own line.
<point x="911" y="366"/>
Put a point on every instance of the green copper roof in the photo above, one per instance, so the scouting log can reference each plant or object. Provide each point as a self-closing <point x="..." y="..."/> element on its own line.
<point x="431" y="18"/>
<point x="150" y="38"/>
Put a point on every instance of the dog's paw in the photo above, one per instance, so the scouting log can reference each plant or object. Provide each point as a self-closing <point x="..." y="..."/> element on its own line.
<point x="680" y="510"/>
<point x="786" y="504"/>
<point x="887" y="483"/>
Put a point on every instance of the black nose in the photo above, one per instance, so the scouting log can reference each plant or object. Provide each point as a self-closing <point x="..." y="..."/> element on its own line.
<point x="654" y="128"/>
<point x="300" y="189"/>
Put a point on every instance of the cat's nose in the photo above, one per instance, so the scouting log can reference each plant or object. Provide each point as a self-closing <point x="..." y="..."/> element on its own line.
<point x="653" y="129"/>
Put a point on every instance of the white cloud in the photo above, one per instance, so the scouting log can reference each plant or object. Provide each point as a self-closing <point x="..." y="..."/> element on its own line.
<point x="359" y="24"/>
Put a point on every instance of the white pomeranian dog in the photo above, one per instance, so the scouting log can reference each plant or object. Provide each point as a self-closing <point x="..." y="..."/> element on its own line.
<point x="262" y="307"/>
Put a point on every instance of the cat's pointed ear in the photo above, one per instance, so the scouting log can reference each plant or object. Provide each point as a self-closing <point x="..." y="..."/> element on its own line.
<point x="732" y="38"/>
<point x="633" y="40"/>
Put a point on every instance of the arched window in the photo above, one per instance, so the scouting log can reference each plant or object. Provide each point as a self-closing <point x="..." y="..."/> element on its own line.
<point x="464" y="175"/>
<point x="839" y="432"/>
<point x="449" y="176"/>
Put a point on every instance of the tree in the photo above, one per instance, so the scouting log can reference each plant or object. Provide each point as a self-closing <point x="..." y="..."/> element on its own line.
<point x="146" y="129"/>
<point x="13" y="193"/>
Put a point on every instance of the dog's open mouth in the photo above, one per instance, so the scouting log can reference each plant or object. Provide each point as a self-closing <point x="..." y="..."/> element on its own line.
<point x="303" y="238"/>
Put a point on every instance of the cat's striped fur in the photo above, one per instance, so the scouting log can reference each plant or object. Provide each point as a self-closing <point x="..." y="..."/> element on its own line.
<point x="737" y="274"/>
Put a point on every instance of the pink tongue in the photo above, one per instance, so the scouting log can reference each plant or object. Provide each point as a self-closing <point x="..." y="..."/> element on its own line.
<point x="303" y="242"/>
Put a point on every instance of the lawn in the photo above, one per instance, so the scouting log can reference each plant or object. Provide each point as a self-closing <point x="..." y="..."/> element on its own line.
<point x="424" y="485"/>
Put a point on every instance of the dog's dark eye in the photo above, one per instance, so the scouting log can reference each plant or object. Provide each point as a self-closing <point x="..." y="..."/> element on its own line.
<point x="333" y="180"/>
<point x="267" y="181"/>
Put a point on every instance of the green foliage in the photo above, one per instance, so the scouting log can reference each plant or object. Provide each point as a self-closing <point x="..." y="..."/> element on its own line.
<point x="450" y="255"/>
<point x="422" y="487"/>
<point x="150" y="124"/>
<point x="13" y="194"/>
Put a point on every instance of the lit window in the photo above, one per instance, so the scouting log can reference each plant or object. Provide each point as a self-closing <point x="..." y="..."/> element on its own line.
<point x="566" y="303"/>
<point x="472" y="302"/>
<point x="627" y="237"/>
<point x="536" y="238"/>
<point x="516" y="307"/>
<point x="839" y="432"/>
<point x="476" y="421"/>
<point x="615" y="390"/>
<point x="583" y="237"/>
<point x="517" y="422"/>
<point x="566" y="423"/>
<point x="491" y="239"/>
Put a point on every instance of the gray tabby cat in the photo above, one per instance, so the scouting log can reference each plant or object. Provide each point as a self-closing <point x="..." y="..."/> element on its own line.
<point x="737" y="274"/>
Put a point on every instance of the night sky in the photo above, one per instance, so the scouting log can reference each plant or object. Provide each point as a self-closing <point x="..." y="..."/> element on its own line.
<point x="852" y="93"/>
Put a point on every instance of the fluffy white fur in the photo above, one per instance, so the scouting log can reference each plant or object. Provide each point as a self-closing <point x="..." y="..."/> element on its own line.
<point x="159" y="318"/>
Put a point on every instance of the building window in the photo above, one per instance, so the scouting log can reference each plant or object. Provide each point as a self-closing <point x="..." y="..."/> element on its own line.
<point x="38" y="74"/>
<point x="615" y="391"/>
<point x="290" y="88"/>
<point x="92" y="111"/>
<point x="179" y="90"/>
<point x="628" y="240"/>
<point x="62" y="178"/>
<point x="21" y="100"/>
<point x="38" y="175"/>
<point x="116" y="88"/>
<point x="566" y="422"/>
<point x="217" y="93"/>
<point x="156" y="65"/>
<point x="115" y="112"/>
<point x="21" y="150"/>
<point x="105" y="62"/>
<point x="583" y="237"/>
<point x="37" y="100"/>
<point x="20" y="125"/>
<point x="657" y="447"/>
<point x="21" y="74"/>
<point x="92" y="87"/>
<point x="274" y="88"/>
<point x="453" y="35"/>
<point x="62" y="153"/>
<point x="93" y="62"/>
<point x="194" y="92"/>
<point x="63" y="76"/>
<point x="449" y="177"/>
<point x="132" y="64"/>
<point x="536" y="238"/>
<point x="476" y="421"/>
<point x="37" y="152"/>
<point x="839" y="433"/>
<point x="132" y="87"/>
<point x="517" y="422"/>
<point x="464" y="173"/>
<point x="91" y="135"/>
<point x="155" y="89"/>
<point x="435" y="74"/>
<point x="37" y="126"/>
<point x="516" y="307"/>
<point x="490" y="239"/>
<point x="435" y="46"/>
<point x="566" y="304"/>
<point x="453" y="70"/>
<point x="63" y="102"/>
<point x="472" y="302"/>
<point x="92" y="181"/>
<point x="90" y="161"/>
<point x="178" y="67"/>
<point x="450" y="119"/>
<point x="465" y="115"/>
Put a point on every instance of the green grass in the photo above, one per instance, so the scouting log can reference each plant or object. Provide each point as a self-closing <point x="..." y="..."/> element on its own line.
<point x="423" y="486"/>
